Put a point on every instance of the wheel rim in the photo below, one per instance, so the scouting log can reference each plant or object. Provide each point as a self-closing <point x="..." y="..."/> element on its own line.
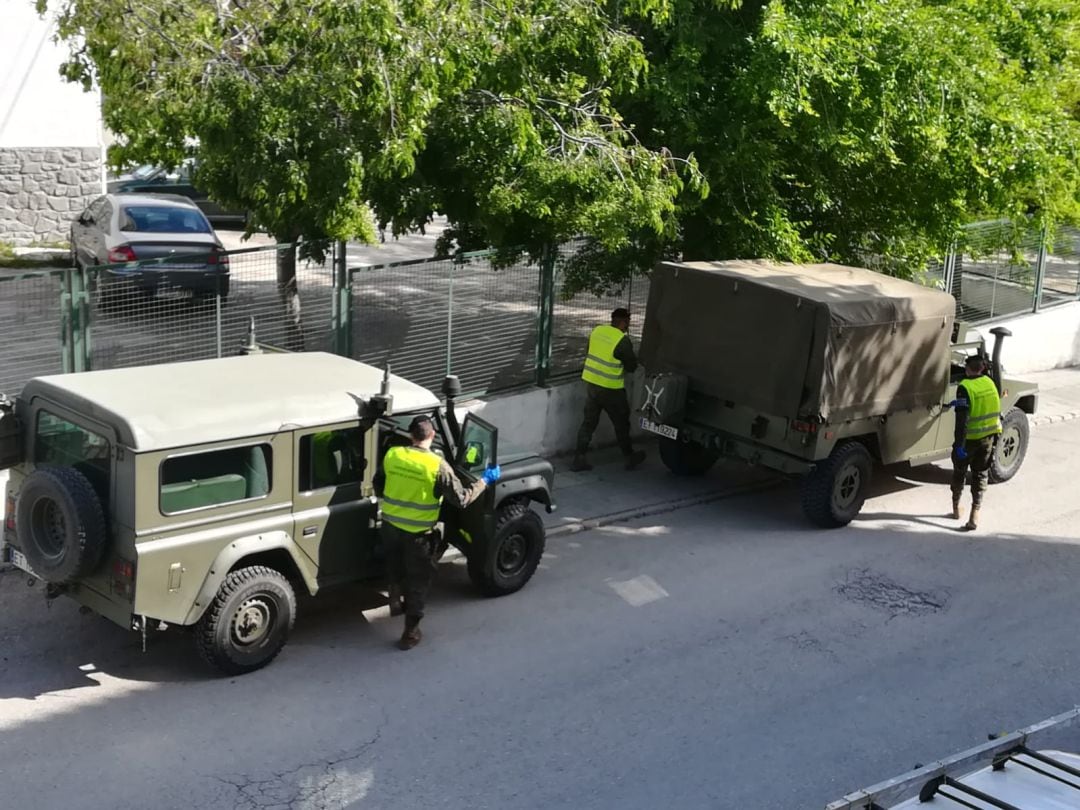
<point x="1009" y="447"/>
<point x="253" y="621"/>
<point x="847" y="486"/>
<point x="512" y="555"/>
<point x="50" y="528"/>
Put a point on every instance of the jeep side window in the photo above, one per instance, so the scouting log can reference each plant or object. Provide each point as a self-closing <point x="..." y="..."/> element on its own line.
<point x="61" y="443"/>
<point x="202" y="480"/>
<point x="331" y="458"/>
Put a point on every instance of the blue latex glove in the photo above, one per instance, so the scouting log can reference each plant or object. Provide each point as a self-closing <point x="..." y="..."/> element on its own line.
<point x="492" y="474"/>
<point x="958" y="403"/>
<point x="960" y="451"/>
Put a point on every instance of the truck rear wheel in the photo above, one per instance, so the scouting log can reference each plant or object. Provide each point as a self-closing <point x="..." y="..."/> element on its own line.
<point x="1011" y="446"/>
<point x="248" y="622"/>
<point x="835" y="491"/>
<point x="509" y="561"/>
<point x="686" y="458"/>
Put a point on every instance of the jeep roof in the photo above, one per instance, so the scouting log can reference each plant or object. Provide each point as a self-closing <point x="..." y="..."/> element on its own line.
<point x="178" y="404"/>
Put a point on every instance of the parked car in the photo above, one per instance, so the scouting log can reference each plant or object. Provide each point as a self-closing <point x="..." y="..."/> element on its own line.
<point x="149" y="179"/>
<point x="137" y="228"/>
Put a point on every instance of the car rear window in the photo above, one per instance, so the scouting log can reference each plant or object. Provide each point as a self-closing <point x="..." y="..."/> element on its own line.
<point x="162" y="219"/>
<point x="201" y="480"/>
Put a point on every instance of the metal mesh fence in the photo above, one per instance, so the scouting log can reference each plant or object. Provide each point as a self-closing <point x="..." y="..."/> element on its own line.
<point x="462" y="316"/>
<point x="575" y="317"/>
<point x="32" y="324"/>
<point x="184" y="309"/>
<point x="991" y="280"/>
<point x="1061" y="277"/>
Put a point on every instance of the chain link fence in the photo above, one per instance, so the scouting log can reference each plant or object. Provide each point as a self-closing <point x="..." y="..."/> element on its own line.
<point x="34" y="333"/>
<point x="185" y="308"/>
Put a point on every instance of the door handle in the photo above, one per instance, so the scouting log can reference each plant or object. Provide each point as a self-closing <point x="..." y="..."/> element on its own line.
<point x="311" y="531"/>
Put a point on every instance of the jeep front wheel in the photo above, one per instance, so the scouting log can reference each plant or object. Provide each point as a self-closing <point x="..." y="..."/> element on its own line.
<point x="248" y="622"/>
<point x="835" y="491"/>
<point x="504" y="565"/>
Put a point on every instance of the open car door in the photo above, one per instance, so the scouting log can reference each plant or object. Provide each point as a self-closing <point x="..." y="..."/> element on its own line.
<point x="477" y="450"/>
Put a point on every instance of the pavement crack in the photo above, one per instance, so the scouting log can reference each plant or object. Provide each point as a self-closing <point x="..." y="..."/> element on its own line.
<point x="319" y="785"/>
<point x="877" y="591"/>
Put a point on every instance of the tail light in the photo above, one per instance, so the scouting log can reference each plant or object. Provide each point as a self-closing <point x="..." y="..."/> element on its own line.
<point x="220" y="258"/>
<point x="121" y="253"/>
<point x="9" y="514"/>
<point x="804" y="427"/>
<point x="123" y="582"/>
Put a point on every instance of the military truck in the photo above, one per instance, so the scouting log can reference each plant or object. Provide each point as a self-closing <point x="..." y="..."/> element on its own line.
<point x="206" y="494"/>
<point x="818" y="371"/>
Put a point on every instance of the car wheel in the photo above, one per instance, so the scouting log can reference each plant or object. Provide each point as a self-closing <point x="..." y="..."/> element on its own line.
<point x="834" y="492"/>
<point x="509" y="561"/>
<point x="249" y="621"/>
<point x="1011" y="446"/>
<point x="60" y="523"/>
<point x="686" y="458"/>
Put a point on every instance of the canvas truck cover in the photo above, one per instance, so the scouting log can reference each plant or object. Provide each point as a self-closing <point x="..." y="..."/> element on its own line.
<point x="815" y="340"/>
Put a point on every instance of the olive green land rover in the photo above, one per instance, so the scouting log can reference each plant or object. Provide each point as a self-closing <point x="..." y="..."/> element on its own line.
<point x="207" y="493"/>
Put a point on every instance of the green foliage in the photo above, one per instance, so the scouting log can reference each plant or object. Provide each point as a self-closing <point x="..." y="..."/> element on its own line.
<point x="325" y="116"/>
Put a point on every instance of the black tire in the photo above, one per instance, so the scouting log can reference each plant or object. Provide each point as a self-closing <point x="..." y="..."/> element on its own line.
<point x="60" y="523"/>
<point x="262" y="602"/>
<point x="509" y="561"/>
<point x="1011" y="446"/>
<point x="686" y="458"/>
<point x="835" y="491"/>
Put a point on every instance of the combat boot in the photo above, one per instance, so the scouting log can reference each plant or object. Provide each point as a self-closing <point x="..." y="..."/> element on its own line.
<point x="394" y="599"/>
<point x="955" y="507"/>
<point x="580" y="464"/>
<point x="973" y="519"/>
<point x="412" y="635"/>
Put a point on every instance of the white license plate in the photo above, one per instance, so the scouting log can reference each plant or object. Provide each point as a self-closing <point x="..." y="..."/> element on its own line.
<point x="660" y="430"/>
<point x="19" y="561"/>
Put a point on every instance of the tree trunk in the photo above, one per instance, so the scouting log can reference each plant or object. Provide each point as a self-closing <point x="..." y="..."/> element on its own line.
<point x="290" y="298"/>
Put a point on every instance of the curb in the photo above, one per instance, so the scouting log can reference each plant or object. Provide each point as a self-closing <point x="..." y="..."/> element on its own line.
<point x="662" y="507"/>
<point x="1053" y="419"/>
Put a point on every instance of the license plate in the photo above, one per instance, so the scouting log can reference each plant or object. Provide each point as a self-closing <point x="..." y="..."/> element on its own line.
<point x="19" y="561"/>
<point x="666" y="431"/>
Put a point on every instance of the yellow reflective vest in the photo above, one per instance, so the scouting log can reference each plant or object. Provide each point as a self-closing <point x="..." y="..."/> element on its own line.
<point x="408" y="500"/>
<point x="601" y="367"/>
<point x="984" y="414"/>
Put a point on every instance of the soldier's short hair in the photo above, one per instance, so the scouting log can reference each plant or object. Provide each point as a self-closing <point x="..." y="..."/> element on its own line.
<point x="620" y="314"/>
<point x="421" y="428"/>
<point x="976" y="362"/>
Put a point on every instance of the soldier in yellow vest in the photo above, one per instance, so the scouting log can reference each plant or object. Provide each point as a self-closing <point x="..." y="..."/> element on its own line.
<point x="978" y="424"/>
<point x="412" y="484"/>
<point x="609" y="359"/>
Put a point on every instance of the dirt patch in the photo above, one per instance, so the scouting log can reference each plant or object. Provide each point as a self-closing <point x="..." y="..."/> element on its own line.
<point x="877" y="591"/>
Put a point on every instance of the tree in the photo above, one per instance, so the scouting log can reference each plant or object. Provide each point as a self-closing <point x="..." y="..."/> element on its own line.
<point x="322" y="116"/>
<point x="855" y="130"/>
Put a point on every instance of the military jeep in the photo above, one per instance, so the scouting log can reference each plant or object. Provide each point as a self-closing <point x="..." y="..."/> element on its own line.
<point x="206" y="494"/>
<point x="817" y="371"/>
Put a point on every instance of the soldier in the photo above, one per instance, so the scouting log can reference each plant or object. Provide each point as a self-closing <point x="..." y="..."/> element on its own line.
<point x="978" y="424"/>
<point x="610" y="358"/>
<point x="412" y="484"/>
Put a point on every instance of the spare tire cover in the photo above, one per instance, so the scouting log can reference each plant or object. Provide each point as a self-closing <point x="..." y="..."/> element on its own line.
<point x="60" y="524"/>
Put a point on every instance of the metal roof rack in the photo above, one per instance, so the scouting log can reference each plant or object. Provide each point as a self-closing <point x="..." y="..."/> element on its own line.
<point x="944" y="778"/>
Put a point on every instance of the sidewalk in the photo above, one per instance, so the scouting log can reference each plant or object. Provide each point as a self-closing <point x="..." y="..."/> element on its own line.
<point x="610" y="494"/>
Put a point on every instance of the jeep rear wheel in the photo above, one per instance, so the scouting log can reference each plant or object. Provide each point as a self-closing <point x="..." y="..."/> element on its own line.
<point x="686" y="458"/>
<point x="248" y="622"/>
<point x="508" y="562"/>
<point x="1011" y="446"/>
<point x="835" y="491"/>
<point x="60" y="524"/>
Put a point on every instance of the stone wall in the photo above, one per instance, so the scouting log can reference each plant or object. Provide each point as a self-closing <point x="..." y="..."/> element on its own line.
<point x="43" y="190"/>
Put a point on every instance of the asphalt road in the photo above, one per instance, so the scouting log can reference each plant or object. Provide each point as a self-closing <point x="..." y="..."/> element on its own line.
<point x="724" y="656"/>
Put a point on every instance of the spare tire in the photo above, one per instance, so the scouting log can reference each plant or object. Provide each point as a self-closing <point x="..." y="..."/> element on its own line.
<point x="60" y="524"/>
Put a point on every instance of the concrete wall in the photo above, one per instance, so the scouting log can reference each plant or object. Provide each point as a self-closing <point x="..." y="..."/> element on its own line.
<point x="547" y="420"/>
<point x="1050" y="339"/>
<point x="50" y="132"/>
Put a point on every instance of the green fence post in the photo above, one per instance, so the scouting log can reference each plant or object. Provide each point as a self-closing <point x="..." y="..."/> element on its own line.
<point x="80" y="320"/>
<point x="545" y="314"/>
<point x="341" y="302"/>
<point x="66" y="359"/>
<point x="1040" y="270"/>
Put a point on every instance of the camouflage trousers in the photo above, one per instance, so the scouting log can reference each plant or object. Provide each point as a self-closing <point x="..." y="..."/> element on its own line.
<point x="980" y="453"/>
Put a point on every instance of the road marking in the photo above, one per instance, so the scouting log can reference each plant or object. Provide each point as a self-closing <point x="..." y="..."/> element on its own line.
<point x="639" y="590"/>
